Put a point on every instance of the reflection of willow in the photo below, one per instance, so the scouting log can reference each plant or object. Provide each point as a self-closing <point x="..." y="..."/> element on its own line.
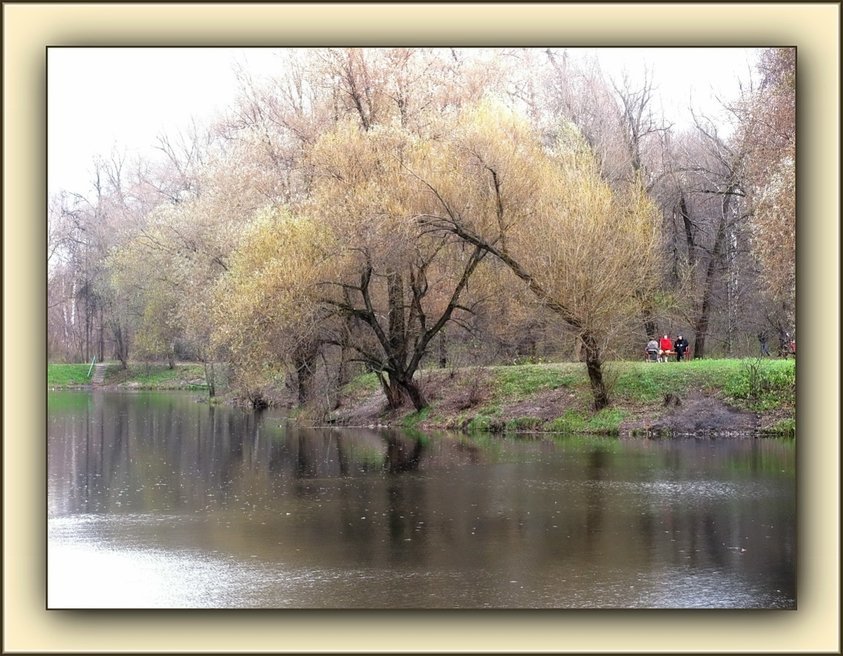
<point x="306" y="465"/>
<point x="342" y="454"/>
<point x="402" y="454"/>
<point x="598" y="460"/>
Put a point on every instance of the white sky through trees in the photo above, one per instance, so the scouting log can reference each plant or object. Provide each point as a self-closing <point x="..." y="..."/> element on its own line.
<point x="101" y="100"/>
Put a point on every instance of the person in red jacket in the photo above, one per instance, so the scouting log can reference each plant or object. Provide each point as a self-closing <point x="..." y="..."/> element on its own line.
<point x="666" y="346"/>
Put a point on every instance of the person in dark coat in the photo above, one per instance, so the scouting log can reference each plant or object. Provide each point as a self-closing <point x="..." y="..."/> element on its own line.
<point x="680" y="346"/>
<point x="762" y="340"/>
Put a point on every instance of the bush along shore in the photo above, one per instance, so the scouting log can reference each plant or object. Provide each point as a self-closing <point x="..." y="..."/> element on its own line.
<point x="726" y="397"/>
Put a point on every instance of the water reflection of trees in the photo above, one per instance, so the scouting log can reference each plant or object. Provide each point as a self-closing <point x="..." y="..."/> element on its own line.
<point x="136" y="452"/>
<point x="403" y="453"/>
<point x="375" y="497"/>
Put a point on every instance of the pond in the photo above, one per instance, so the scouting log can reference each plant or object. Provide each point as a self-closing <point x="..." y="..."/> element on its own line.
<point x="159" y="500"/>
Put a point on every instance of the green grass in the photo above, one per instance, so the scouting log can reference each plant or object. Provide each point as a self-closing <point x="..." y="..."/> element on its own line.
<point x="647" y="382"/>
<point x="411" y="421"/>
<point x="607" y="422"/>
<point x="143" y="375"/>
<point x="157" y="375"/>
<point x="485" y="424"/>
<point x="763" y="384"/>
<point x="62" y="375"/>
<point x="486" y="421"/>
<point x="750" y="384"/>
<point x="527" y="424"/>
<point x="523" y="380"/>
<point x="785" y="428"/>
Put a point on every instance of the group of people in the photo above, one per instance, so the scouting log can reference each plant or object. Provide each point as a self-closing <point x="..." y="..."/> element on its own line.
<point x="787" y="345"/>
<point x="659" y="350"/>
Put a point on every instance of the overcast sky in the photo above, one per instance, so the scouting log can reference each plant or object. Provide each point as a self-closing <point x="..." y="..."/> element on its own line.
<point x="100" y="99"/>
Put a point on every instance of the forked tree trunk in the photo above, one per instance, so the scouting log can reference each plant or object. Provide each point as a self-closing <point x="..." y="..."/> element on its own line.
<point x="391" y="391"/>
<point x="399" y="388"/>
<point x="210" y="378"/>
<point x="415" y="394"/>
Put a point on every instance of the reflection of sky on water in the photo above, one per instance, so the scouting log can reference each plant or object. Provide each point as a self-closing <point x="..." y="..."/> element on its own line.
<point x="88" y="575"/>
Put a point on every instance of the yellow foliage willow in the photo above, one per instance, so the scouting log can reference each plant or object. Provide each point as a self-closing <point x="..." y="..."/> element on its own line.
<point x="266" y="307"/>
<point x="591" y="248"/>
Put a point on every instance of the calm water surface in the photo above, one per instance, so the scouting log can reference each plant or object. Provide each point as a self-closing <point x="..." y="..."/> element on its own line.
<point x="161" y="501"/>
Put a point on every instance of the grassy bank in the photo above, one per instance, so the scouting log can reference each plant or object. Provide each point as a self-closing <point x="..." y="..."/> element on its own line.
<point x="152" y="376"/>
<point x="720" y="396"/>
<point x="68" y="375"/>
<point x="714" y="396"/>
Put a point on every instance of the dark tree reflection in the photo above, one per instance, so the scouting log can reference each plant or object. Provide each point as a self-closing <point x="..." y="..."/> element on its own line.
<point x="402" y="453"/>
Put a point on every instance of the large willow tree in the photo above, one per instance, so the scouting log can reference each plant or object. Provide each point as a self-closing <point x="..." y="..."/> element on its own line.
<point x="587" y="251"/>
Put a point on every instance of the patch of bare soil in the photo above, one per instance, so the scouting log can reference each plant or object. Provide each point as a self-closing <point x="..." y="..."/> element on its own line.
<point x="456" y="392"/>
<point x="362" y="411"/>
<point x="697" y="415"/>
<point x="545" y="405"/>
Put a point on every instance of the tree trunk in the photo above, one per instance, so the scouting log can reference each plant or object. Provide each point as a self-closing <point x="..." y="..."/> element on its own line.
<point x="101" y="349"/>
<point x="121" y="347"/>
<point x="305" y="363"/>
<point x="398" y="388"/>
<point x="649" y="321"/>
<point x="701" y="327"/>
<point x="394" y="397"/>
<point x="415" y="394"/>
<point x="594" y="367"/>
<point x="210" y="379"/>
<point x="340" y="378"/>
<point x="397" y="329"/>
<point x="689" y="231"/>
